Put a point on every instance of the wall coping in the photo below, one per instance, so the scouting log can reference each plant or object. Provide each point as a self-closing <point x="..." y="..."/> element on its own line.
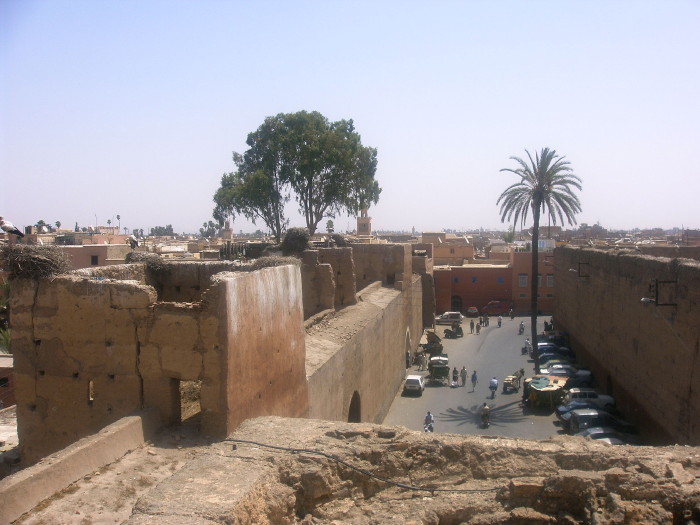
<point x="22" y="491"/>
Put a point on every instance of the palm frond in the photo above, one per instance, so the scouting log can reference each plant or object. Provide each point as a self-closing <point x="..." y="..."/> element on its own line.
<point x="547" y="183"/>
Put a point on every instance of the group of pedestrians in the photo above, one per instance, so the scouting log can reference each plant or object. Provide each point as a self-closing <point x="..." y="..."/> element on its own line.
<point x="460" y="377"/>
<point x="483" y="321"/>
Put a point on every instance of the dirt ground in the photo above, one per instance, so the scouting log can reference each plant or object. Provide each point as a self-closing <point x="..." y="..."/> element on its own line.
<point x="277" y="470"/>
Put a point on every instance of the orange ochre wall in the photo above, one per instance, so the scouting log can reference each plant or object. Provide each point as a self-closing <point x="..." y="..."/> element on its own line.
<point x="476" y="285"/>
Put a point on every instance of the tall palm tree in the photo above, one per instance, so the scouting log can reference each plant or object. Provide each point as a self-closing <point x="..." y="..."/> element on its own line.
<point x="546" y="186"/>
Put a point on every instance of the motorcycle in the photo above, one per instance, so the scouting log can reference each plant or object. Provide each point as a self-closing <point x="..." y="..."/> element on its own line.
<point x="485" y="420"/>
<point x="521" y="329"/>
<point x="499" y="323"/>
<point x="428" y="427"/>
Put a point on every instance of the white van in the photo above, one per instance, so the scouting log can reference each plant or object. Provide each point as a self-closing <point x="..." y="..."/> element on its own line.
<point x="588" y="394"/>
<point x="449" y="318"/>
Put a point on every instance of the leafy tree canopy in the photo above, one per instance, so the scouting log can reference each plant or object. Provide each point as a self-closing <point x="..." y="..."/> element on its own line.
<point x="323" y="164"/>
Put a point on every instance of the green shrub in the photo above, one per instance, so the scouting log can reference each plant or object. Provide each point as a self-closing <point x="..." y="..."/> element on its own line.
<point x="295" y="241"/>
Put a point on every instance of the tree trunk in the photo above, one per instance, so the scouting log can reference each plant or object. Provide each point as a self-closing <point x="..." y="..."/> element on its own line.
<point x="534" y="283"/>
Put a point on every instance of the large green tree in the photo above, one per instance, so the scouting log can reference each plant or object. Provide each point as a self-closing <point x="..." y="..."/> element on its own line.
<point x="327" y="166"/>
<point x="256" y="190"/>
<point x="322" y="163"/>
<point x="546" y="186"/>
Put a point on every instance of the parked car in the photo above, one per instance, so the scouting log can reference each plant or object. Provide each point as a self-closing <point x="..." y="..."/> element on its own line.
<point x="600" y="433"/>
<point x="580" y="382"/>
<point x="449" y="318"/>
<point x="557" y="338"/>
<point x="548" y="359"/>
<point x="552" y="348"/>
<point x="573" y="405"/>
<point x="589" y="394"/>
<point x="472" y="311"/>
<point x="558" y="369"/>
<point x="611" y="436"/>
<point x="496" y="308"/>
<point x="414" y="384"/>
<point x="584" y="418"/>
<point x="577" y="404"/>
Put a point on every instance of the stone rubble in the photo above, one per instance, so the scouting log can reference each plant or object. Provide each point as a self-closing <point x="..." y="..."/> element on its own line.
<point x="456" y="479"/>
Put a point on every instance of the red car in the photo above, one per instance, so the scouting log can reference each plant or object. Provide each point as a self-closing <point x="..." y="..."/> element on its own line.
<point x="496" y="308"/>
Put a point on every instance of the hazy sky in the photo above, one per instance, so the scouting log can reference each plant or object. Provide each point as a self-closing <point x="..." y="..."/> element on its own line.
<point x="134" y="107"/>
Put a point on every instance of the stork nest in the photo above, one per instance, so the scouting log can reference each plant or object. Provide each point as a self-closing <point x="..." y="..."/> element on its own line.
<point x="153" y="262"/>
<point x="23" y="261"/>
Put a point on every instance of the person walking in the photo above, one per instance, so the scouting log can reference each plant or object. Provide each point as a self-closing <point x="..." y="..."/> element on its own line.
<point x="408" y="359"/>
<point x="474" y="380"/>
<point x="471" y="326"/>
<point x="455" y="375"/>
<point x="478" y="329"/>
<point x="493" y="386"/>
<point x="463" y="375"/>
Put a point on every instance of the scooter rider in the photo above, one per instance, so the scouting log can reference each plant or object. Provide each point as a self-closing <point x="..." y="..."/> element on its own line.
<point x="493" y="386"/>
<point x="428" y="422"/>
<point x="521" y="328"/>
<point x="500" y="320"/>
<point x="485" y="414"/>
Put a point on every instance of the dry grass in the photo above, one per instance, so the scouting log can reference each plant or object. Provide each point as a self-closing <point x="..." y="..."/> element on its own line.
<point x="267" y="262"/>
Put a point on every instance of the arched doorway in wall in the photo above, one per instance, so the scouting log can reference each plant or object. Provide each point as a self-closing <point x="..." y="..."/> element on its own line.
<point x="354" y="413"/>
<point x="456" y="302"/>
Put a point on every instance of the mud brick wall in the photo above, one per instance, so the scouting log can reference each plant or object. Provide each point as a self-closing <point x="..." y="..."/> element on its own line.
<point x="644" y="354"/>
<point x="90" y="350"/>
<point x="342" y="263"/>
<point x="75" y="344"/>
<point x="186" y="281"/>
<point x="371" y="364"/>
<point x="388" y="263"/>
<point x="424" y="267"/>
<point x="266" y="353"/>
<point x="318" y="284"/>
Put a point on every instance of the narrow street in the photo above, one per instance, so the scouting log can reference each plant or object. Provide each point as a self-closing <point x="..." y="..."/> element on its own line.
<point x="495" y="352"/>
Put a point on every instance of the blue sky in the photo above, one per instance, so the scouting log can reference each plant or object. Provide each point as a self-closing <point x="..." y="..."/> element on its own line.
<point x="134" y="107"/>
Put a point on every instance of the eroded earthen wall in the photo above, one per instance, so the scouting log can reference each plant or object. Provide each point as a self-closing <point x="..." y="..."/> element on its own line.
<point x="266" y="349"/>
<point x="185" y="281"/>
<point x="90" y="349"/>
<point x="343" y="265"/>
<point x="318" y="284"/>
<point x="372" y="361"/>
<point x="76" y="358"/>
<point x="388" y="263"/>
<point x="646" y="355"/>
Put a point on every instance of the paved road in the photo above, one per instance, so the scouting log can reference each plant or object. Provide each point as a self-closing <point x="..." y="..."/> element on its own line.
<point x="495" y="352"/>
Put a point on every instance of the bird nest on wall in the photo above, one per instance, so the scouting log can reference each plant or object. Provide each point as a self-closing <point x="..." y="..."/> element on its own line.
<point x="153" y="262"/>
<point x="23" y="261"/>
